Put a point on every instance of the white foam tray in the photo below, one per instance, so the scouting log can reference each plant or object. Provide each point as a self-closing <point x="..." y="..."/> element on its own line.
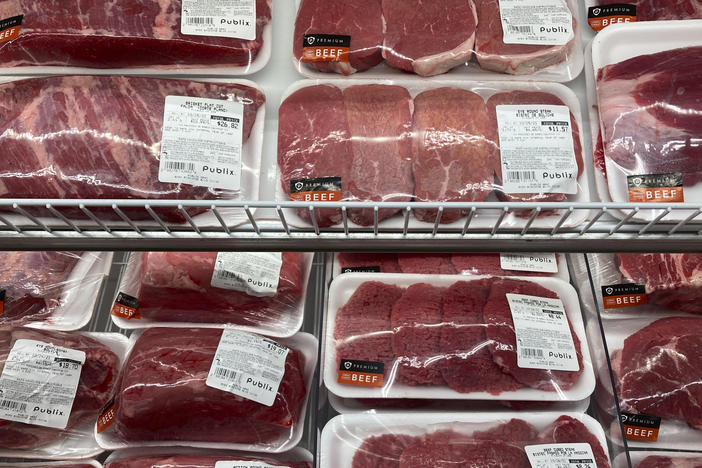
<point x="343" y="287"/>
<point x="296" y="454"/>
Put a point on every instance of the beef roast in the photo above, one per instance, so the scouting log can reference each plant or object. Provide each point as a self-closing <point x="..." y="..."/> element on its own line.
<point x="198" y="461"/>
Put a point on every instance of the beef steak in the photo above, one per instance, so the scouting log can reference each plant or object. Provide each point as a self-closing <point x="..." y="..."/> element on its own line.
<point x="198" y="461"/>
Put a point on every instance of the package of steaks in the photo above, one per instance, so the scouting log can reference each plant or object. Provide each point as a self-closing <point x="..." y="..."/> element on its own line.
<point x="499" y="440"/>
<point x="260" y="292"/>
<point x="604" y="13"/>
<point x="538" y="39"/>
<point x="53" y="386"/>
<point x="53" y="464"/>
<point x="441" y="142"/>
<point x="210" y="388"/>
<point x="451" y="337"/>
<point x="646" y="116"/>
<point x="164" y="37"/>
<point x="659" y="459"/>
<point x="50" y="290"/>
<point x="106" y="138"/>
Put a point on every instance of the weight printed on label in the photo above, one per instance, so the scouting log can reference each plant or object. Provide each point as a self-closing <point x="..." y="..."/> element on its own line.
<point x="244" y="464"/>
<point x="249" y="366"/>
<point x="202" y="142"/>
<point x="543" y="334"/>
<point x="561" y="456"/>
<point x="39" y="382"/>
<point x="536" y="22"/>
<point x="537" y="152"/>
<point x="255" y="273"/>
<point x="223" y="18"/>
<point x="538" y="262"/>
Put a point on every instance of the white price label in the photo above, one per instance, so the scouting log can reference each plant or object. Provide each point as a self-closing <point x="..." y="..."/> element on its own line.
<point x="543" y="334"/>
<point x="536" y="262"/>
<point x="39" y="382"/>
<point x="560" y="456"/>
<point x="223" y="18"/>
<point x="255" y="273"/>
<point x="249" y="366"/>
<point x="244" y="464"/>
<point x="202" y="142"/>
<point x="536" y="22"/>
<point x="537" y="152"/>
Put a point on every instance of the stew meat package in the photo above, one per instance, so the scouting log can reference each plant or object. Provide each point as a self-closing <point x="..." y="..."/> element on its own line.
<point x="108" y="151"/>
<point x="98" y="378"/>
<point x="76" y="34"/>
<point x="203" y="461"/>
<point x="377" y="143"/>
<point x="164" y="395"/>
<point x="427" y="335"/>
<point x="426" y="37"/>
<point x="665" y="461"/>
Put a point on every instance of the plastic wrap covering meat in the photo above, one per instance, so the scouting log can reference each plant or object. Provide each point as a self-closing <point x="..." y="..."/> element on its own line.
<point x="261" y="292"/>
<point x="76" y="34"/>
<point x="203" y="460"/>
<point x="502" y="440"/>
<point x="111" y="149"/>
<point x="55" y="464"/>
<point x="670" y="461"/>
<point x="97" y="380"/>
<point x="164" y="397"/>
<point x="657" y="10"/>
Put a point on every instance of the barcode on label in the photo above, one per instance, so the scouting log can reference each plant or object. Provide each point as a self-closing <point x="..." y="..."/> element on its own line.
<point x="13" y="405"/>
<point x="199" y="20"/>
<point x="521" y="29"/>
<point x="223" y="373"/>
<point x="180" y="166"/>
<point x="521" y="175"/>
<point x="532" y="352"/>
<point x="224" y="274"/>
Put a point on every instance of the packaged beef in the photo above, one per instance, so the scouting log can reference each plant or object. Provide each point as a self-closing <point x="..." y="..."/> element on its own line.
<point x="396" y="336"/>
<point x="119" y="146"/>
<point x="193" y="458"/>
<point x="212" y="388"/>
<point x="500" y="440"/>
<point x="171" y="34"/>
<point x="54" y="464"/>
<point x="603" y="13"/>
<point x="254" y="291"/>
<point x="42" y="415"/>
<point x="667" y="460"/>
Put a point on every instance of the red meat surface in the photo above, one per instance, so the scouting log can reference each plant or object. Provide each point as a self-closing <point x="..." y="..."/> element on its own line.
<point x="486" y="264"/>
<point x="660" y="461"/>
<point x="566" y="430"/>
<point x="386" y="262"/>
<point x="516" y="432"/>
<point x="426" y="264"/>
<point x="381" y="451"/>
<point x="197" y="461"/>
<point x="468" y="453"/>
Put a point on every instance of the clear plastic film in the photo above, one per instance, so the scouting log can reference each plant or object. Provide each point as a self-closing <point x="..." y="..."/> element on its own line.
<point x="653" y="459"/>
<point x="450" y="142"/>
<point x="260" y="292"/>
<point x="53" y="290"/>
<point x="446" y="337"/>
<point x="56" y="464"/>
<point x="501" y="440"/>
<point x="183" y="386"/>
<point x="384" y="38"/>
<point x="170" y="35"/>
<point x="134" y="134"/>
<point x="44" y="395"/>
<point x="180" y="457"/>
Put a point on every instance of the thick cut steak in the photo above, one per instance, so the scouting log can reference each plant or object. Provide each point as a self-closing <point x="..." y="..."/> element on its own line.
<point x="380" y="124"/>
<point x="660" y="461"/>
<point x="108" y="150"/>
<point x="517" y="59"/>
<point x="362" y="21"/>
<point x="382" y="451"/>
<point x="119" y="34"/>
<point x="199" y="461"/>
<point x="163" y="396"/>
<point x="651" y="114"/>
<point x="453" y="157"/>
<point x="428" y="37"/>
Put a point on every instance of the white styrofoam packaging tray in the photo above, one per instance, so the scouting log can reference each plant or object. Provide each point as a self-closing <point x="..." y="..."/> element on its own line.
<point x="615" y="44"/>
<point x="344" y="434"/>
<point x="53" y="464"/>
<point x="486" y="219"/>
<point x="560" y="72"/>
<point x="637" y="456"/>
<point x="304" y="343"/>
<point x="250" y="167"/>
<point x="343" y="287"/>
<point x="295" y="455"/>
<point x="294" y="317"/>
<point x="79" y="443"/>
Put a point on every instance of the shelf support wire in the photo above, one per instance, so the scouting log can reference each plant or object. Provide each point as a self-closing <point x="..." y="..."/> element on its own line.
<point x="283" y="221"/>
<point x="594" y="219"/>
<point x="533" y="216"/>
<point x="215" y="211"/>
<point x="33" y="218"/>
<point x="624" y="220"/>
<point x="406" y="215"/>
<point x="157" y="218"/>
<point x="58" y="214"/>
<point x="655" y="221"/>
<point x="345" y="220"/>
<point x="682" y="223"/>
<point x="126" y="219"/>
<point x="313" y="217"/>
<point x="565" y="216"/>
<point x="10" y="225"/>
<point x="504" y="212"/>
<point x="253" y="222"/>
<point x="95" y="219"/>
<point x="468" y="220"/>
<point x="437" y="221"/>
<point x="189" y="219"/>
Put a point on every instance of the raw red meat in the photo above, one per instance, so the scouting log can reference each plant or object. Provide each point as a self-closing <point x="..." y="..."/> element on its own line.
<point x="428" y="37"/>
<point x="453" y="157"/>
<point x="33" y="283"/>
<point x="567" y="430"/>
<point x="659" y="370"/>
<point x="363" y="21"/>
<point x="162" y="394"/>
<point x="673" y="281"/>
<point x="109" y="150"/>
<point x="503" y="341"/>
<point x="175" y="287"/>
<point x="659" y="461"/>
<point x="386" y="262"/>
<point x="516" y="431"/>
<point x="98" y="379"/>
<point x="380" y="124"/>
<point x="468" y="365"/>
<point x="382" y="451"/>
<point x="416" y="323"/>
<point x="119" y="34"/>
<point x="651" y="114"/>
<point x="313" y="142"/>
<point x="466" y="453"/>
<point x="486" y="264"/>
<point x="517" y="59"/>
<point x="197" y="461"/>
<point x="426" y="264"/>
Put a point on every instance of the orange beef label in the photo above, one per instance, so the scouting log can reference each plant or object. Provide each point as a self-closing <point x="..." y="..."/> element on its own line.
<point x="10" y="28"/>
<point x="325" y="48"/>
<point x="599" y="17"/>
<point x="126" y="307"/>
<point x="656" y="188"/>
<point x="619" y="296"/>
<point x="107" y="416"/>
<point x="361" y="373"/>
<point x="316" y="190"/>
<point x="641" y="427"/>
